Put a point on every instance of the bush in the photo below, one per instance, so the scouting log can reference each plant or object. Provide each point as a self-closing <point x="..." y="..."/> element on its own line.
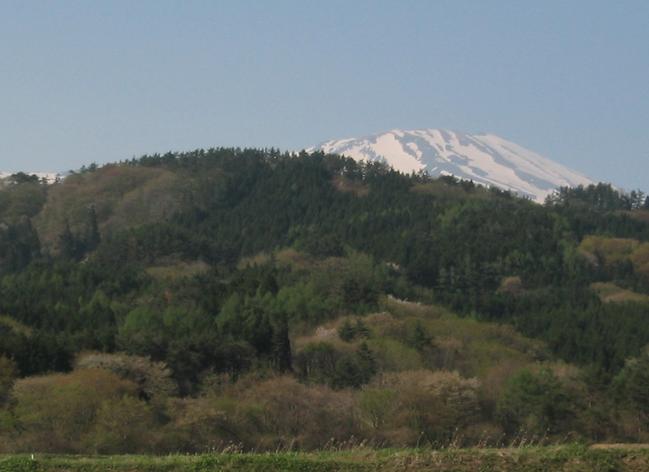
<point x="123" y="426"/>
<point x="292" y="414"/>
<point x="152" y="378"/>
<point x="55" y="412"/>
<point x="433" y="405"/>
<point x="534" y="402"/>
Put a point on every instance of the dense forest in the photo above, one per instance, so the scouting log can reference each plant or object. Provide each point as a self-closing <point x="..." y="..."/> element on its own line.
<point x="258" y="299"/>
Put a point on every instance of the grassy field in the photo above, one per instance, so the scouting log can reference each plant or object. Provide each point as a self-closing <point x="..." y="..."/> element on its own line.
<point x="575" y="458"/>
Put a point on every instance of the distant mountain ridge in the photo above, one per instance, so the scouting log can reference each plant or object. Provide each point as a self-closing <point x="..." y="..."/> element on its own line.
<point x="486" y="159"/>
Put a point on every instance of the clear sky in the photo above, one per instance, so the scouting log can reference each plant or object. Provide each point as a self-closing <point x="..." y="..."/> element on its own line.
<point x="97" y="81"/>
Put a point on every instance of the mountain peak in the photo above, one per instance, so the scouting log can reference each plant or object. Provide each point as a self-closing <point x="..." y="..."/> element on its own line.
<point x="485" y="158"/>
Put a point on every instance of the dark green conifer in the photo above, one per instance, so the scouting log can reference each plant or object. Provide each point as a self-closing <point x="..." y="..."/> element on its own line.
<point x="281" y="347"/>
<point x="93" y="237"/>
<point x="347" y="332"/>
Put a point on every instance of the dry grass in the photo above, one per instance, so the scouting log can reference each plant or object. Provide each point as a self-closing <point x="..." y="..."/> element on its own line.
<point x="611" y="250"/>
<point x="401" y="308"/>
<point x="15" y="326"/>
<point x="178" y="270"/>
<point x="610" y="293"/>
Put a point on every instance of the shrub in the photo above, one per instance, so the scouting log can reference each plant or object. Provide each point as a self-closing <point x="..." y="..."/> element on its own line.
<point x="376" y="406"/>
<point x="433" y="405"/>
<point x="292" y="414"/>
<point x="54" y="412"/>
<point x="123" y="426"/>
<point x="534" y="402"/>
<point x="152" y="378"/>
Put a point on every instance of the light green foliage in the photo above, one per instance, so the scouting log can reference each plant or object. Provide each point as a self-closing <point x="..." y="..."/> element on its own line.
<point x="148" y="325"/>
<point x="122" y="425"/>
<point x="59" y="410"/>
<point x="376" y="406"/>
<point x="393" y="355"/>
<point x="304" y="301"/>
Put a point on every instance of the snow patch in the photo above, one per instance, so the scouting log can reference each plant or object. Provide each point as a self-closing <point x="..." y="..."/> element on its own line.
<point x="486" y="159"/>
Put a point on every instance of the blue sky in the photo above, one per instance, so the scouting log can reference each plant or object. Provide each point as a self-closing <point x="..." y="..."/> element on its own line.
<point x="90" y="81"/>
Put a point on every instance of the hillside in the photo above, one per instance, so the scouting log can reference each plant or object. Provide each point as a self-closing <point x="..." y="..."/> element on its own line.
<point x="185" y="302"/>
<point x="484" y="158"/>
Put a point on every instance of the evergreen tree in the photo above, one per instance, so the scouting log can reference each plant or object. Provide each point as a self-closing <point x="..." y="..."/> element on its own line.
<point x="347" y="332"/>
<point x="361" y="330"/>
<point x="93" y="237"/>
<point x="366" y="361"/>
<point x="348" y="373"/>
<point x="420" y="339"/>
<point x="68" y="245"/>
<point x="281" y="348"/>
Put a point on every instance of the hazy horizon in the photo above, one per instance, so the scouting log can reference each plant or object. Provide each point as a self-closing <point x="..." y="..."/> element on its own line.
<point x="103" y="82"/>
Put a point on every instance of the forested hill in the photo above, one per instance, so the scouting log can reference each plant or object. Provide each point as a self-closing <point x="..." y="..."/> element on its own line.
<point x="214" y="262"/>
<point x="109" y="231"/>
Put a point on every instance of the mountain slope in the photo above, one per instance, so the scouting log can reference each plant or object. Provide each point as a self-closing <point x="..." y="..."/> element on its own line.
<point x="486" y="159"/>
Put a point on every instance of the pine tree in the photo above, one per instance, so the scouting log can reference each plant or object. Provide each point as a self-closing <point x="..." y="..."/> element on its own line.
<point x="347" y="373"/>
<point x="347" y="332"/>
<point x="93" y="237"/>
<point x="366" y="361"/>
<point x="420" y="339"/>
<point x="67" y="243"/>
<point x="281" y="347"/>
<point x="361" y="330"/>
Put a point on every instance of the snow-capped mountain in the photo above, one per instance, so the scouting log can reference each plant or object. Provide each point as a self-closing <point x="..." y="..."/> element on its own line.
<point x="484" y="158"/>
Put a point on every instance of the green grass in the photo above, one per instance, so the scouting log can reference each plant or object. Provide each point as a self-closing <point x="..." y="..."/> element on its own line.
<point x="573" y="458"/>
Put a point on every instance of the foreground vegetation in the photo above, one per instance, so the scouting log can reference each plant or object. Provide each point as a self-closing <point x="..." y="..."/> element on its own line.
<point x="187" y="302"/>
<point x="528" y="459"/>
